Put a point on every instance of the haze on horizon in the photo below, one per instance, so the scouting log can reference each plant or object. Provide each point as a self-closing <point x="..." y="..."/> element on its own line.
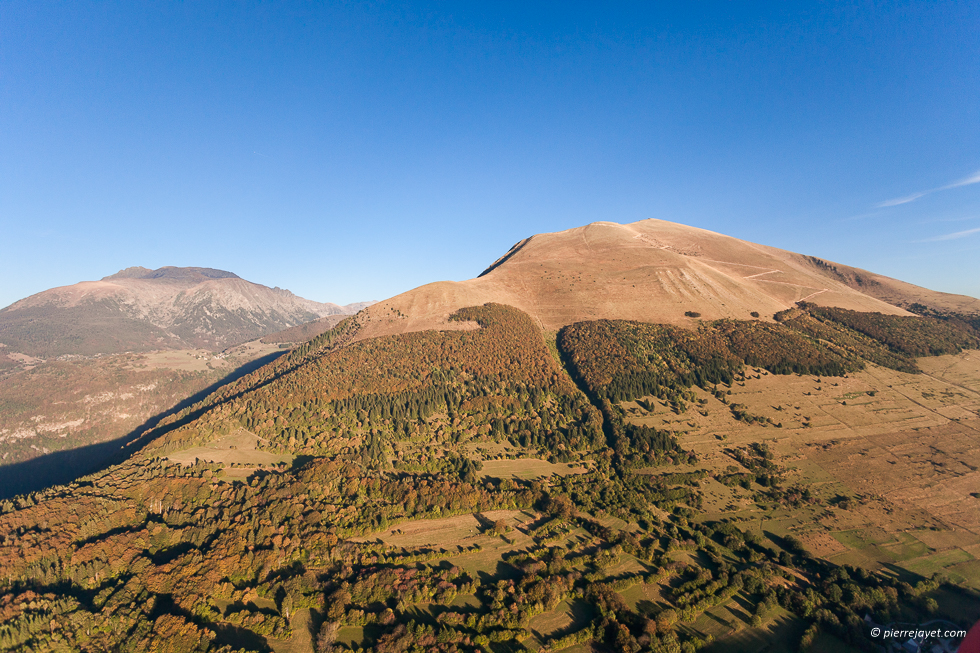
<point x="351" y="152"/>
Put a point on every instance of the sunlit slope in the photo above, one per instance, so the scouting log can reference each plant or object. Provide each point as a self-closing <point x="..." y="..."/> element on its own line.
<point x="650" y="271"/>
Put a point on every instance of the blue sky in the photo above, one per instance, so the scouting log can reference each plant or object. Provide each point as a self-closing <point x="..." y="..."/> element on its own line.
<point x="352" y="151"/>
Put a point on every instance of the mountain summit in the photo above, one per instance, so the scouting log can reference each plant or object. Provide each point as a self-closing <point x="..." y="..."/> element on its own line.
<point x="138" y="309"/>
<point x="651" y="271"/>
<point x="172" y="273"/>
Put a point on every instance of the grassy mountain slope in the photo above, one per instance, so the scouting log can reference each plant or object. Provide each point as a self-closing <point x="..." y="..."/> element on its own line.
<point x="651" y="271"/>
<point x="305" y="331"/>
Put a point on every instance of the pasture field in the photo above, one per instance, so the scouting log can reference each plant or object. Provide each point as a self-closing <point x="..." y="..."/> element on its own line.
<point x="570" y="615"/>
<point x="301" y="641"/>
<point x="953" y="603"/>
<point x="827" y="643"/>
<point x="892" y="460"/>
<point x="942" y="560"/>
<point x="189" y="360"/>
<point x="529" y="468"/>
<point x="645" y="598"/>
<point x="350" y="635"/>
<point x="202" y="360"/>
<point x="236" y="450"/>
<point x="627" y="565"/>
<point x="447" y="533"/>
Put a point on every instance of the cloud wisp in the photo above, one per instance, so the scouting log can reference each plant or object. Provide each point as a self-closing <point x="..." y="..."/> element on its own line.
<point x="972" y="179"/>
<point x="966" y="181"/>
<point x="902" y="200"/>
<point x="953" y="236"/>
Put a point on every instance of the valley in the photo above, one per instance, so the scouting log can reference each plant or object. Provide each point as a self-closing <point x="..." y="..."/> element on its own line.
<point x="61" y="419"/>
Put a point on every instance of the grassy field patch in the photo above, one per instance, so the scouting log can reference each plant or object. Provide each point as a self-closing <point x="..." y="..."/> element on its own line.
<point x="931" y="564"/>
<point x="350" y="635"/>
<point x="529" y="468"/>
<point x="958" y="605"/>
<point x="568" y="616"/>
<point x="965" y="573"/>
<point x="446" y="533"/>
<point x="645" y="598"/>
<point x="237" y="448"/>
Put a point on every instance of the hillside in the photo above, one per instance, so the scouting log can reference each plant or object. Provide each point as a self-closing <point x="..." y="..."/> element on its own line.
<point x="651" y="271"/>
<point x="492" y="485"/>
<point x="138" y="310"/>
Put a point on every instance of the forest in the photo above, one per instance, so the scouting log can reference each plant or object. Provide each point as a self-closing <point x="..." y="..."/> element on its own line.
<point x="152" y="555"/>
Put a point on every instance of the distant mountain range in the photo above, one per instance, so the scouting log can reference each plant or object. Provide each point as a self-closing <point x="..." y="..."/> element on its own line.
<point x="138" y="309"/>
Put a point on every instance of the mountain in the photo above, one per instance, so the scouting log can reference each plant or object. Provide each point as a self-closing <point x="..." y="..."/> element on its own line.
<point x="651" y="271"/>
<point x="130" y="348"/>
<point x="138" y="310"/>
<point x="588" y="467"/>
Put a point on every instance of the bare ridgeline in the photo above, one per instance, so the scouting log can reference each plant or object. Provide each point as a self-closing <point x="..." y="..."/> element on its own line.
<point x="628" y="437"/>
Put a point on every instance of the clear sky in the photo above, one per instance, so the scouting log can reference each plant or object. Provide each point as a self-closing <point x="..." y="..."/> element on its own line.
<point x="352" y="151"/>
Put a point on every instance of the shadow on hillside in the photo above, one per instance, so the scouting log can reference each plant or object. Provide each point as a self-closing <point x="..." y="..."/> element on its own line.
<point x="61" y="467"/>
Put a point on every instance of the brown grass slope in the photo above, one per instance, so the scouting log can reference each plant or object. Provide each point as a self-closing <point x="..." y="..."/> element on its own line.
<point x="650" y="271"/>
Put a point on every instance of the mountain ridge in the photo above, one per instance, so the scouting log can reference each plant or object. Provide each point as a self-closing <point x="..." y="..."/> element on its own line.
<point x="138" y="309"/>
<point x="171" y="272"/>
